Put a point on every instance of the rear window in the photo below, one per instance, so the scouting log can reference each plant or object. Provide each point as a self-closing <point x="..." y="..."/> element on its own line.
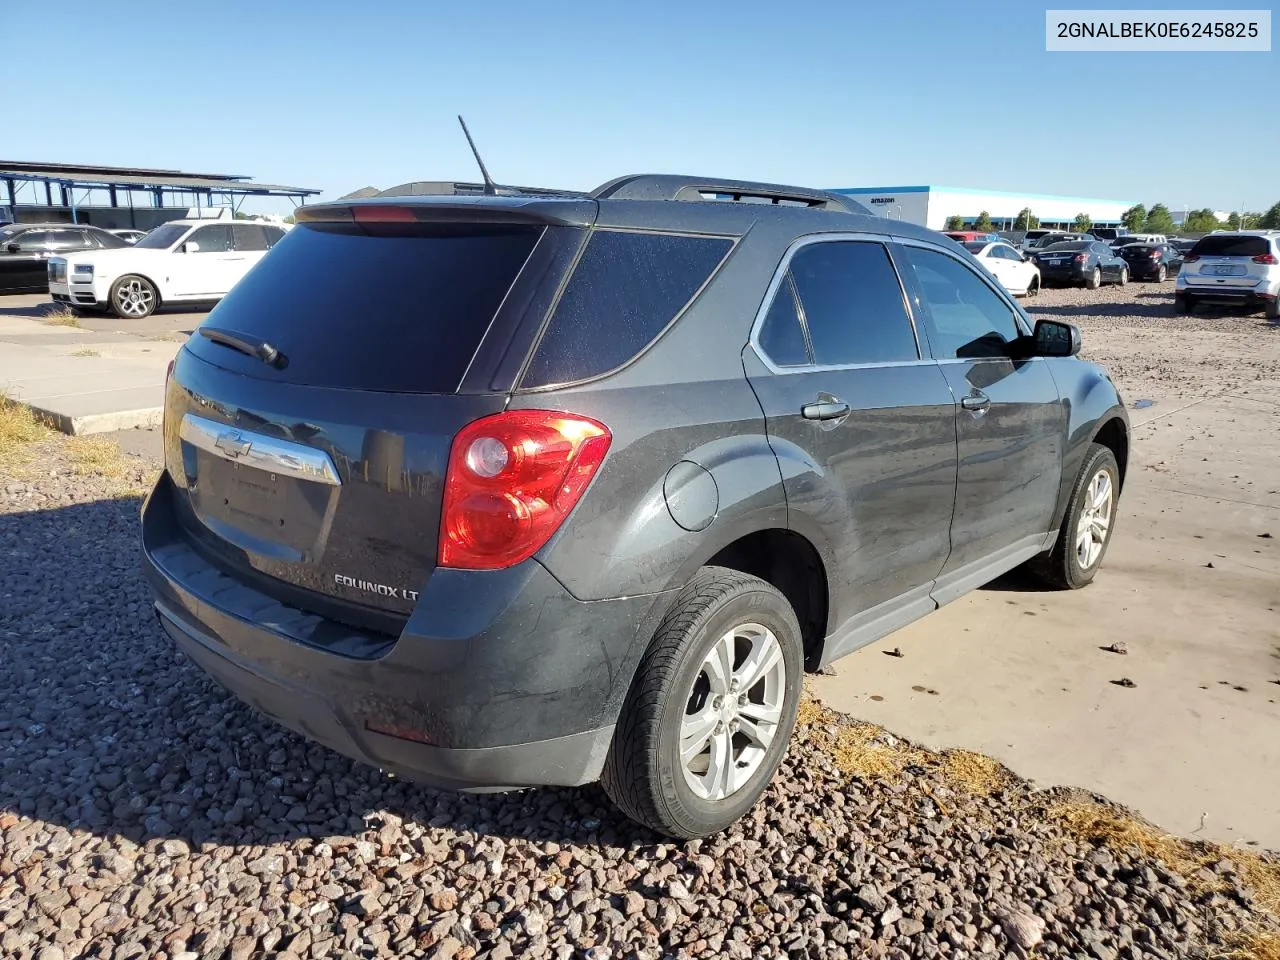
<point x="626" y="290"/>
<point x="402" y="311"/>
<point x="1069" y="245"/>
<point x="1230" y="246"/>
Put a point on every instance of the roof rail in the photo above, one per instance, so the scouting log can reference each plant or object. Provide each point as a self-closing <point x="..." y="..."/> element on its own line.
<point x="450" y="188"/>
<point x="662" y="186"/>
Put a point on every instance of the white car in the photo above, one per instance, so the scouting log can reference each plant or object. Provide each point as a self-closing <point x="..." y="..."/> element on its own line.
<point x="129" y="236"/>
<point x="183" y="261"/>
<point x="1015" y="272"/>
<point x="1237" y="268"/>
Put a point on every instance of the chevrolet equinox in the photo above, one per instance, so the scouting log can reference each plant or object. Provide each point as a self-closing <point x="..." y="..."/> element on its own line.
<point x="542" y="488"/>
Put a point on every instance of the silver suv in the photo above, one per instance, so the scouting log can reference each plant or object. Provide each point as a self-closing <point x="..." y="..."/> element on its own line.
<point x="1238" y="268"/>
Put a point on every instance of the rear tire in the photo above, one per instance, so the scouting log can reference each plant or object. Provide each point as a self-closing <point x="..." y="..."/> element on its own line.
<point x="1272" y="310"/>
<point x="653" y="772"/>
<point x="1182" y="305"/>
<point x="1162" y="274"/>
<point x="1095" y="279"/>
<point x="1088" y="526"/>
<point x="1033" y="288"/>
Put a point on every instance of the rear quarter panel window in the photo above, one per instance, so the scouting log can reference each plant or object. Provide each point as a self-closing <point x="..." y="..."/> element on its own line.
<point x="781" y="336"/>
<point x="624" y="292"/>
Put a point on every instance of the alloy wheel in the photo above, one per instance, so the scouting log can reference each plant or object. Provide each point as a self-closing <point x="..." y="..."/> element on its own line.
<point x="134" y="298"/>
<point x="1094" y="524"/>
<point x="733" y="711"/>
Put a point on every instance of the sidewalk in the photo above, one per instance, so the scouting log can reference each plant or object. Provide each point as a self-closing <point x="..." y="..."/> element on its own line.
<point x="84" y="381"/>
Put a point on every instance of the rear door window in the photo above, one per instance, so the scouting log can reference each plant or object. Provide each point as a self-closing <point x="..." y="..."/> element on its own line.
<point x="394" y="307"/>
<point x="626" y="290"/>
<point x="852" y="304"/>
<point x="249" y="237"/>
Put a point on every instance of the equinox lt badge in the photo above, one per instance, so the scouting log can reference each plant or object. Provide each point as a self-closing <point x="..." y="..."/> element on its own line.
<point x="381" y="589"/>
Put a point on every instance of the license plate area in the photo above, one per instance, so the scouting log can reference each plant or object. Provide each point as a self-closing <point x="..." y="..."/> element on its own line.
<point x="1226" y="270"/>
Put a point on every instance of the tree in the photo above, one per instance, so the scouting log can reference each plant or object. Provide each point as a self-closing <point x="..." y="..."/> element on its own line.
<point x="954" y="222"/>
<point x="1159" y="219"/>
<point x="1083" y="223"/>
<point x="983" y="223"/>
<point x="1201" y="221"/>
<point x="1271" y="219"/>
<point x="1135" y="218"/>
<point x="1233" y="220"/>
<point x="1026" y="220"/>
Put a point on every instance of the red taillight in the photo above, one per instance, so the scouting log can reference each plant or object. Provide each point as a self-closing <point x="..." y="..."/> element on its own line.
<point x="1268" y="258"/>
<point x="382" y="214"/>
<point x="1191" y="258"/>
<point x="1154" y="254"/>
<point x="512" y="479"/>
<point x="1081" y="257"/>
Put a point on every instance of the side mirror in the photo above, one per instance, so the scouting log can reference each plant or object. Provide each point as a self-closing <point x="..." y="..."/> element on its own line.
<point x="1053" y="338"/>
<point x="13" y="248"/>
<point x="191" y="247"/>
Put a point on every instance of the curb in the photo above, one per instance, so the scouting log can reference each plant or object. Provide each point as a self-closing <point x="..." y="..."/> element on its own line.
<point x="90" y="423"/>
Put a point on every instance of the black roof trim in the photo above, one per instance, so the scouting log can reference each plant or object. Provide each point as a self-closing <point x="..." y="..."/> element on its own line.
<point x="451" y="188"/>
<point x="664" y="186"/>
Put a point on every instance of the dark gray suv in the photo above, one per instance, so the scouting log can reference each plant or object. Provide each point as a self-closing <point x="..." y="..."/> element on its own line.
<point x="509" y="490"/>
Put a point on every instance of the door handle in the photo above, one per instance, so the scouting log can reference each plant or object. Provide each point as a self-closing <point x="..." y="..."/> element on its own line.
<point x="825" y="410"/>
<point x="977" y="402"/>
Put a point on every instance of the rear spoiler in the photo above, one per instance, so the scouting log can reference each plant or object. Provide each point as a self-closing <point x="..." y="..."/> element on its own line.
<point x="550" y="210"/>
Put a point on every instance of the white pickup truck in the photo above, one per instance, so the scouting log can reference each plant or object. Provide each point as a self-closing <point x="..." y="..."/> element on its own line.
<point x="194" y="261"/>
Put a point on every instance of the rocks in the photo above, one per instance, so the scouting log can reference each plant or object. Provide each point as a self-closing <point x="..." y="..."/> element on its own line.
<point x="154" y="814"/>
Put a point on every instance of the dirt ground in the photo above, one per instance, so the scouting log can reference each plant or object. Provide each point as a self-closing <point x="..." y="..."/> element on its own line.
<point x="1191" y="587"/>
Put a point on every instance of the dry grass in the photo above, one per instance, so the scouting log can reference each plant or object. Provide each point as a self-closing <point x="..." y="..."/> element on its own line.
<point x="86" y="352"/>
<point x="18" y="427"/>
<point x="1255" y="946"/>
<point x="62" y="317"/>
<point x="1120" y="831"/>
<point x="869" y="752"/>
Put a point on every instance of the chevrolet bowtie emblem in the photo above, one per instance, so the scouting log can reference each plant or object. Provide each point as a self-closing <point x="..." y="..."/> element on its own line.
<point x="233" y="444"/>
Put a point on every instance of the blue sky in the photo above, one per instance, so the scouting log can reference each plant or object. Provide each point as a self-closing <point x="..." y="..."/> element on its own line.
<point x="340" y="95"/>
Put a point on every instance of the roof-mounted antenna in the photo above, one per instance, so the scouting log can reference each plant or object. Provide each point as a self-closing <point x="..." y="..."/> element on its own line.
<point x="490" y="188"/>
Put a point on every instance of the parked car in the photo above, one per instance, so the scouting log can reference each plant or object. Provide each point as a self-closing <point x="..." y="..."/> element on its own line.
<point x="1016" y="273"/>
<point x="1111" y="234"/>
<point x="1182" y="246"/>
<point x="25" y="249"/>
<point x="968" y="236"/>
<point x="1151" y="261"/>
<point x="129" y="236"/>
<point x="1240" y="268"/>
<point x="1140" y="238"/>
<point x="586" y="498"/>
<point x="183" y="261"/>
<point x="1031" y="236"/>
<point x="1088" y="263"/>
<point x="1049" y="239"/>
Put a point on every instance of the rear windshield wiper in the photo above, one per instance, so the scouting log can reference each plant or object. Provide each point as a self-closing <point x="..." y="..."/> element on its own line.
<point x="252" y="346"/>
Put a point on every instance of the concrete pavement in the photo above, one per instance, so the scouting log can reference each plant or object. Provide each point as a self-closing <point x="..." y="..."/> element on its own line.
<point x="1191" y="584"/>
<point x="103" y="374"/>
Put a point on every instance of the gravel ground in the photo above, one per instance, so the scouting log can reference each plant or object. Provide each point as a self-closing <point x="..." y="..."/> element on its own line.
<point x="1153" y="353"/>
<point x="145" y="813"/>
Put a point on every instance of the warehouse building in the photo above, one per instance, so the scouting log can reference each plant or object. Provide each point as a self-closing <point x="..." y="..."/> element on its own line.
<point x="932" y="206"/>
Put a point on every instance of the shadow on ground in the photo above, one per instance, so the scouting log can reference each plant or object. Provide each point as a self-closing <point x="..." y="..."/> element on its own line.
<point x="107" y="728"/>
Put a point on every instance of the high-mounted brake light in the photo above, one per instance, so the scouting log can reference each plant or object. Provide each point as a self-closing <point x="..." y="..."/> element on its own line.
<point x="1268" y="258"/>
<point x="511" y="481"/>
<point x="379" y="213"/>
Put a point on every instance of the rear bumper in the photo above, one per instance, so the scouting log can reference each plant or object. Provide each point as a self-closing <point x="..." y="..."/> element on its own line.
<point x="1255" y="297"/>
<point x="500" y="680"/>
<point x="1071" y="274"/>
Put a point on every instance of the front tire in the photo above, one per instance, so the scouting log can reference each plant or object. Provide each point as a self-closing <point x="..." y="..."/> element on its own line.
<point x="1033" y="287"/>
<point x="133" y="298"/>
<point x="1124" y="277"/>
<point x="1094" y="280"/>
<point x="711" y="709"/>
<point x="1162" y="274"/>
<point x="1087" y="528"/>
